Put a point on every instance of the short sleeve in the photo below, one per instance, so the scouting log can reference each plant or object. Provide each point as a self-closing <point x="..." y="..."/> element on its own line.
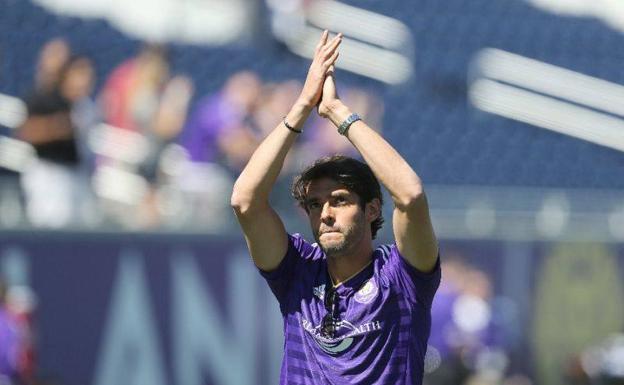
<point x="416" y="286"/>
<point x="281" y="278"/>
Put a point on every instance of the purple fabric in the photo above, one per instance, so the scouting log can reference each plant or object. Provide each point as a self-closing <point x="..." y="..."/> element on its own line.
<point x="8" y="345"/>
<point x="385" y="311"/>
<point x="204" y="126"/>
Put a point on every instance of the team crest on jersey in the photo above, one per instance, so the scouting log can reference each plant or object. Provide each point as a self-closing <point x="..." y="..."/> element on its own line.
<point x="319" y="292"/>
<point x="367" y="292"/>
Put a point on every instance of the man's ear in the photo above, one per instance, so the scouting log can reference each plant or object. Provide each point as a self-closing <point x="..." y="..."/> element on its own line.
<point x="373" y="210"/>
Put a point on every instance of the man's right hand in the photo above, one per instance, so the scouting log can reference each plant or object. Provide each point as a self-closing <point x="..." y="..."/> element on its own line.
<point x="325" y="56"/>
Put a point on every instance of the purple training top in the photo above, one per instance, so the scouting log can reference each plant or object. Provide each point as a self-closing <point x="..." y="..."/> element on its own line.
<point x="385" y="311"/>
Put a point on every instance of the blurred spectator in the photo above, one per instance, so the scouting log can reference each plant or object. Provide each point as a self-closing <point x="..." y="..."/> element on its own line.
<point x="20" y="304"/>
<point x="52" y="184"/>
<point x="465" y="336"/>
<point x="218" y="137"/>
<point x="130" y="95"/>
<point x="140" y="96"/>
<point x="16" y="344"/>
<point x="226" y="127"/>
<point x="9" y="342"/>
<point x="448" y="367"/>
<point x="23" y="305"/>
<point x="219" y="129"/>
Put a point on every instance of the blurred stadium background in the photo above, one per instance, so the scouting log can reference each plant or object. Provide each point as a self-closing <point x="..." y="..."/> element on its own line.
<point x="122" y="261"/>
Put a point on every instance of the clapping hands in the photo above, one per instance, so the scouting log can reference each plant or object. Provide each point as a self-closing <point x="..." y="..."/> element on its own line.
<point x="315" y="85"/>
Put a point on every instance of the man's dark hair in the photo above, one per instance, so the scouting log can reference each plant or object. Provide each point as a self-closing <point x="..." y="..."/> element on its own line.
<point x="355" y="176"/>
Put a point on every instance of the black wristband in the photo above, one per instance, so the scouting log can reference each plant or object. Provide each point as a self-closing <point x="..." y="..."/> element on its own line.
<point x="291" y="128"/>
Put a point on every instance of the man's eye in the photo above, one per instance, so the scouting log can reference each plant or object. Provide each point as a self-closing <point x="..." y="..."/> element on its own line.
<point x="313" y="206"/>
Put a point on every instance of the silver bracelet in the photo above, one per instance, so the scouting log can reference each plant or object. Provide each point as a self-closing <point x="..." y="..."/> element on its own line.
<point x="344" y="126"/>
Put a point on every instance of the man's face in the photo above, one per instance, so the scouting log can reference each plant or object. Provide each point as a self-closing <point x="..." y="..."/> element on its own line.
<point x="338" y="222"/>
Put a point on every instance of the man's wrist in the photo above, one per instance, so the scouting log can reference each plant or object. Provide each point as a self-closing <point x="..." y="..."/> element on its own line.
<point x="303" y="104"/>
<point x="300" y="108"/>
<point x="337" y="112"/>
<point x="297" y="116"/>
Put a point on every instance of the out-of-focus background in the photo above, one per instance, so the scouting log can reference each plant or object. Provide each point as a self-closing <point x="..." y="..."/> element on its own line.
<point x="123" y="125"/>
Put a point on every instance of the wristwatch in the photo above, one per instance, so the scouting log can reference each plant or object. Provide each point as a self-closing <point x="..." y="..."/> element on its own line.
<point x="344" y="126"/>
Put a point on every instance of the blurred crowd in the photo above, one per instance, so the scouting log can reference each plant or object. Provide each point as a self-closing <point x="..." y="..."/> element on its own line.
<point x="474" y="335"/>
<point x="146" y="150"/>
<point x="470" y="340"/>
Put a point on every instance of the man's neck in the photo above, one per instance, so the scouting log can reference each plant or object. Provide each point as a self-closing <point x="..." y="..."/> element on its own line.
<point x="344" y="267"/>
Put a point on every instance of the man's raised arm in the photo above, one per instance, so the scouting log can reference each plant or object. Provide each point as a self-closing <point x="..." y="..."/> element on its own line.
<point x="411" y="223"/>
<point x="264" y="231"/>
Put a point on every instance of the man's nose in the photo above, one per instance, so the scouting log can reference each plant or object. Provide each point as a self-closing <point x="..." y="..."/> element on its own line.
<point x="327" y="214"/>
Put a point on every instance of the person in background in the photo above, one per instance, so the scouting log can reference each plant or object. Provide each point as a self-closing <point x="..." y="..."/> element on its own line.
<point x="468" y="340"/>
<point x="9" y="342"/>
<point x="220" y="128"/>
<point x="142" y="97"/>
<point x="49" y="181"/>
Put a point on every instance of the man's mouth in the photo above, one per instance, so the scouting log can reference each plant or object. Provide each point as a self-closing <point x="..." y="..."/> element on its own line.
<point x="329" y="231"/>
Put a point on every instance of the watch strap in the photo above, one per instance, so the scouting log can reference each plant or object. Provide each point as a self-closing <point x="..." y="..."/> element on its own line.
<point x="344" y="126"/>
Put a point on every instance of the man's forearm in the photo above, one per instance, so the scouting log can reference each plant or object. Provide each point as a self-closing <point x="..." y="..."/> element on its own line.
<point x="255" y="182"/>
<point x="387" y="164"/>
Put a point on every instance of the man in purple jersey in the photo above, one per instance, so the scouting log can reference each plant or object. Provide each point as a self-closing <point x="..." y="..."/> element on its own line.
<point x="353" y="314"/>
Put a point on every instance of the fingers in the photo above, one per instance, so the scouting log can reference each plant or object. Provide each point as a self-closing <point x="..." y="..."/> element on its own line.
<point x="325" y="48"/>
<point x="322" y="41"/>
<point x="328" y="55"/>
<point x="330" y="71"/>
<point x="332" y="45"/>
<point x="324" y="57"/>
<point x="329" y="63"/>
